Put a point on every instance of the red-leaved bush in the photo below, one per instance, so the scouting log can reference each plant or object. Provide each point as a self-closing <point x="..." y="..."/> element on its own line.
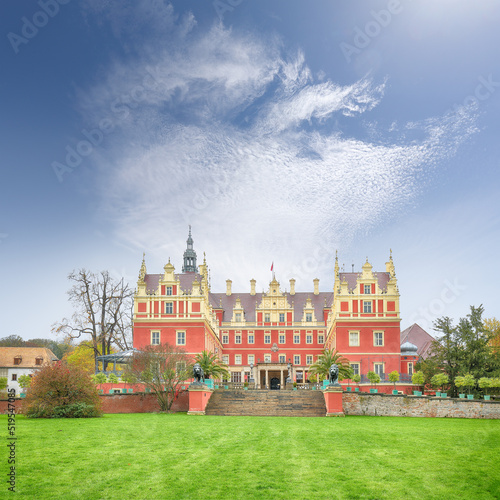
<point x="60" y="390"/>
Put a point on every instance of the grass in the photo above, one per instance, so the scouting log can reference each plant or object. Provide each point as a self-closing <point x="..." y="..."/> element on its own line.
<point x="177" y="456"/>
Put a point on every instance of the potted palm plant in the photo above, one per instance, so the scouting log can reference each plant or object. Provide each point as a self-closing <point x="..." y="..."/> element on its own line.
<point x="394" y="377"/>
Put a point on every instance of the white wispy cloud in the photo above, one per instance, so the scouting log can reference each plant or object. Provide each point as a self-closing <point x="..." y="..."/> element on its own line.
<point x="233" y="136"/>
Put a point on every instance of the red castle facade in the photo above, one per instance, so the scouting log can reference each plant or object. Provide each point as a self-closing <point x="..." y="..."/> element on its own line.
<point x="271" y="336"/>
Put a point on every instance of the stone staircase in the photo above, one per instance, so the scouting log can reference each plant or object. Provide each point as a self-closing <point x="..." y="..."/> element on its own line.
<point x="267" y="403"/>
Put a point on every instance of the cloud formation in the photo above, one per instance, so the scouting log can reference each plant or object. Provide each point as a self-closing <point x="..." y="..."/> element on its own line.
<point x="225" y="131"/>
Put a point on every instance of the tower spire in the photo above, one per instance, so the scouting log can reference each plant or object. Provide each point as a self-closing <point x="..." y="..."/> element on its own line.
<point x="143" y="271"/>
<point x="189" y="256"/>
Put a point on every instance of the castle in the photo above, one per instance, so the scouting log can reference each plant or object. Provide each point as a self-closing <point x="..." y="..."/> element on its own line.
<point x="276" y="335"/>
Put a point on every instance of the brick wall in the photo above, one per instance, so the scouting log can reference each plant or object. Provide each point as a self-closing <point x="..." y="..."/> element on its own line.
<point x="123" y="403"/>
<point x="414" y="406"/>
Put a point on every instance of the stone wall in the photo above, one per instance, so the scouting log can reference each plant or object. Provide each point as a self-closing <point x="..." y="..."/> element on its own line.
<point x="123" y="403"/>
<point x="385" y="405"/>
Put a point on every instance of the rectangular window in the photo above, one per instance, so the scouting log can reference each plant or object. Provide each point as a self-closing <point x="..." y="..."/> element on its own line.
<point x="296" y="338"/>
<point x="251" y="359"/>
<point x="300" y="377"/>
<point x="237" y="338"/>
<point x="378" y="338"/>
<point x="237" y="317"/>
<point x="17" y="361"/>
<point x="296" y="359"/>
<point x="309" y="339"/>
<point x="225" y="359"/>
<point x="225" y="339"/>
<point x="367" y="306"/>
<point x="180" y="366"/>
<point x="354" y="338"/>
<point x="267" y="338"/>
<point x="267" y="318"/>
<point x="237" y="359"/>
<point x="38" y="361"/>
<point x="169" y="308"/>
<point x="410" y="368"/>
<point x="368" y="289"/>
<point x="378" y="368"/>
<point x="236" y="377"/>
<point x="282" y="317"/>
<point x="321" y="338"/>
<point x="354" y="368"/>
<point x="309" y="317"/>
<point x="282" y="358"/>
<point x="169" y="290"/>
<point x="282" y="338"/>
<point x="14" y="377"/>
<point x="251" y="338"/>
<point x="155" y="338"/>
<point x="181" y="338"/>
<point x="309" y="359"/>
<point x="267" y="358"/>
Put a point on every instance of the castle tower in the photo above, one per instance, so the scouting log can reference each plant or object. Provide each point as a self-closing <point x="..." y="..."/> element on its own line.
<point x="189" y="256"/>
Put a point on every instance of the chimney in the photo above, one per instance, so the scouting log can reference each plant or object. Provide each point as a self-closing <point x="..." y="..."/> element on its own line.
<point x="228" y="287"/>
<point x="292" y="287"/>
<point x="316" y="286"/>
<point x="252" y="287"/>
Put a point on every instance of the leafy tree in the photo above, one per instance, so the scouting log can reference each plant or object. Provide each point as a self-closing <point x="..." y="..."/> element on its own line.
<point x="357" y="379"/>
<point x="3" y="383"/>
<point x="113" y="378"/>
<point x="418" y="378"/>
<point x="211" y="365"/>
<point x="373" y="377"/>
<point x="492" y="325"/>
<point x="102" y="310"/>
<point x="62" y="390"/>
<point x="459" y="381"/>
<point x="327" y="359"/>
<point x="99" y="378"/>
<point x="82" y="356"/>
<point x="465" y="348"/>
<point x="12" y="341"/>
<point x="161" y="368"/>
<point x="24" y="381"/>
<point x="58" y="348"/>
<point x="394" y="377"/>
<point x="484" y="383"/>
<point x="469" y="381"/>
<point x="439" y="380"/>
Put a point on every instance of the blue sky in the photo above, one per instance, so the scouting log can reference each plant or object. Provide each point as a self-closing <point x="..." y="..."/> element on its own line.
<point x="281" y="131"/>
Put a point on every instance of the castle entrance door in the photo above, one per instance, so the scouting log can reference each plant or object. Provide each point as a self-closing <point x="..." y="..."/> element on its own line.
<point x="275" y="384"/>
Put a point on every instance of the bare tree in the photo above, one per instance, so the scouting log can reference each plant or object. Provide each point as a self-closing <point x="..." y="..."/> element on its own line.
<point x="161" y="368"/>
<point x="103" y="310"/>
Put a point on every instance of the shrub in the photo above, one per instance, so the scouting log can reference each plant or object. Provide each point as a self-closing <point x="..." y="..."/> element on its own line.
<point x="3" y="383"/>
<point x="60" y="390"/>
<point x="484" y="383"/>
<point x="373" y="377"/>
<point x="24" y="381"/>
<point x="113" y="378"/>
<point x="394" y="377"/>
<point x="99" y="378"/>
<point x="418" y="378"/>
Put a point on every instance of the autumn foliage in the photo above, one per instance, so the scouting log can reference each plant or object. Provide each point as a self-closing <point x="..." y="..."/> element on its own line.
<point x="61" y="390"/>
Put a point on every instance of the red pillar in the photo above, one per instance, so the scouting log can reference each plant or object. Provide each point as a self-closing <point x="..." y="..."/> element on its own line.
<point x="198" y="399"/>
<point x="333" y="401"/>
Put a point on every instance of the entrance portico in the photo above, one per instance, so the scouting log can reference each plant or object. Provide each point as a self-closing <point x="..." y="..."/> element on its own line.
<point x="268" y="372"/>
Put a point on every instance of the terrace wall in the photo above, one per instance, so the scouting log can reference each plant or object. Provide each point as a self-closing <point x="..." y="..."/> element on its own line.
<point x="384" y="405"/>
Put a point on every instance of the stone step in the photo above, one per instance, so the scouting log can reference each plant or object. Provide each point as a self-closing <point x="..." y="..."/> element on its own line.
<point x="267" y="403"/>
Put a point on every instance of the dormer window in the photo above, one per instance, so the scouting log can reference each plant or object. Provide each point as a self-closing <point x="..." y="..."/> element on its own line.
<point x="169" y="290"/>
<point x="237" y="317"/>
<point x="368" y="289"/>
<point x="267" y="318"/>
<point x="17" y="360"/>
<point x="309" y="317"/>
<point x="38" y="361"/>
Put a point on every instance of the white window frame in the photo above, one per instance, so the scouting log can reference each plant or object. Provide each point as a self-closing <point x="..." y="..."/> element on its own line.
<point x="169" y="305"/>
<point x="238" y="359"/>
<point x="237" y="317"/>
<point x="295" y="337"/>
<point x="355" y="368"/>
<point x="267" y="358"/>
<point x="352" y="342"/>
<point x="282" y="358"/>
<point x="251" y="359"/>
<point x="369" y="288"/>
<point x="180" y="340"/>
<point x="296" y="359"/>
<point x="225" y="359"/>
<point x="282" y="338"/>
<point x="367" y="306"/>
<point x="309" y="338"/>
<point x="378" y="342"/>
<point x="169" y="290"/>
<point x="225" y="338"/>
<point x="251" y="338"/>
<point x="309" y="359"/>
<point x="236" y="377"/>
<point x="237" y="338"/>
<point x="281" y="320"/>
<point x="309" y="317"/>
<point x="153" y="335"/>
<point x="321" y="338"/>
<point x="410" y="368"/>
<point x="267" y="338"/>
<point x="377" y="367"/>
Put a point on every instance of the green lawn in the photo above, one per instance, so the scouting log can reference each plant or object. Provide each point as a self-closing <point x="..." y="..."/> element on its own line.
<point x="179" y="456"/>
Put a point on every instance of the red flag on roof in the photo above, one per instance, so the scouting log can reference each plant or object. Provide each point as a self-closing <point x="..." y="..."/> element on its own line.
<point x="272" y="266"/>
